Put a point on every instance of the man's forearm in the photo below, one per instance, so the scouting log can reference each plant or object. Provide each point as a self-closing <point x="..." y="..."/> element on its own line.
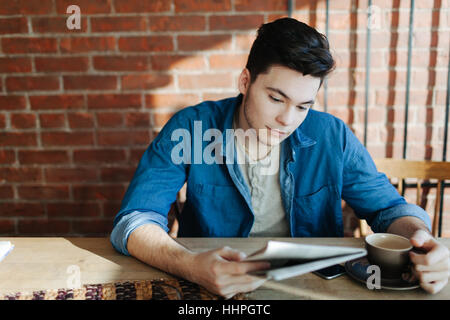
<point x="406" y="226"/>
<point x="152" y="245"/>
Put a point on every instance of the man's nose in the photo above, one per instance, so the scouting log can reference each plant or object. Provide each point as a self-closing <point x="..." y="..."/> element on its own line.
<point x="287" y="117"/>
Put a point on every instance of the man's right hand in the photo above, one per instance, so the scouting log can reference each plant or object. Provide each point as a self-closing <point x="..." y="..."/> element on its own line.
<point x="222" y="271"/>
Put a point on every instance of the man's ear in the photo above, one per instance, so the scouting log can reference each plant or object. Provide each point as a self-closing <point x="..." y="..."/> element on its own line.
<point x="244" y="81"/>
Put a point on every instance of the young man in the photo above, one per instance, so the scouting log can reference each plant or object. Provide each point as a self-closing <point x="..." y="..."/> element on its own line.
<point x="318" y="161"/>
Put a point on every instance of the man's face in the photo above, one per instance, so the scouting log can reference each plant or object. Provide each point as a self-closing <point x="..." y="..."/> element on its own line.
<point x="276" y="103"/>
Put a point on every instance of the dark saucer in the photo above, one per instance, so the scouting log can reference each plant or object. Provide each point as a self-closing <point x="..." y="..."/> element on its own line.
<point x="357" y="269"/>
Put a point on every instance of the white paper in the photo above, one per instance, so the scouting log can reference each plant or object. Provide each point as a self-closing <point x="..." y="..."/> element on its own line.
<point x="302" y="258"/>
<point x="5" y="248"/>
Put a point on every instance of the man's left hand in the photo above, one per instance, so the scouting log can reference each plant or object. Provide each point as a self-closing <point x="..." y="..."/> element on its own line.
<point x="432" y="268"/>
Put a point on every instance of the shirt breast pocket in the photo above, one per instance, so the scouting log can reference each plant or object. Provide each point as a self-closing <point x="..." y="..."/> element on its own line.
<point x="219" y="209"/>
<point x="316" y="214"/>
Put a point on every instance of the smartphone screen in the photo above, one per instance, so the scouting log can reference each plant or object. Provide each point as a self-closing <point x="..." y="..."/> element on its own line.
<point x="331" y="272"/>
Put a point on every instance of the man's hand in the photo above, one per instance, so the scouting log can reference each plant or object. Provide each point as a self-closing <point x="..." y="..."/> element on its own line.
<point x="432" y="268"/>
<point x="222" y="272"/>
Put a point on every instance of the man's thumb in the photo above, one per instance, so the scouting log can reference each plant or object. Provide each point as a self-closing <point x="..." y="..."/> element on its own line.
<point x="231" y="254"/>
<point x="419" y="238"/>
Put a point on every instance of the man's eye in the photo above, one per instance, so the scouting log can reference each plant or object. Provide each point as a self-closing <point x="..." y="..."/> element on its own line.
<point x="275" y="99"/>
<point x="303" y="108"/>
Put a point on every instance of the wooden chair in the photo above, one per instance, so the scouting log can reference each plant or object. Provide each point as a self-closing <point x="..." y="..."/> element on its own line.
<point x="420" y="170"/>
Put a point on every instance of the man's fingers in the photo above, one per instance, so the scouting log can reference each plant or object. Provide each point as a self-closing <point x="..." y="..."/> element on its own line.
<point x="434" y="287"/>
<point x="427" y="277"/>
<point x="242" y="284"/>
<point x="440" y="266"/>
<point x="239" y="268"/>
<point x="436" y="254"/>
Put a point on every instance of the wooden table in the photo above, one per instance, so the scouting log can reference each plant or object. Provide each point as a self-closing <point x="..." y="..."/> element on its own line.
<point x="43" y="263"/>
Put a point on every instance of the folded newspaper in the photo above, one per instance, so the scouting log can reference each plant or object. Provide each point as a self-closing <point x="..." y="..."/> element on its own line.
<point x="293" y="259"/>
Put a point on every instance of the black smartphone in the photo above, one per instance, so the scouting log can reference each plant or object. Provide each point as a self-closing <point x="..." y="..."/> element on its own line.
<point x="331" y="272"/>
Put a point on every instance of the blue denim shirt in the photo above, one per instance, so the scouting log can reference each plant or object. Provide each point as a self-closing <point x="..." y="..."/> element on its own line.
<point x="321" y="162"/>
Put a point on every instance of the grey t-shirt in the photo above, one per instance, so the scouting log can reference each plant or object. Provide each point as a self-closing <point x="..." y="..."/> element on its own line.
<point x="262" y="177"/>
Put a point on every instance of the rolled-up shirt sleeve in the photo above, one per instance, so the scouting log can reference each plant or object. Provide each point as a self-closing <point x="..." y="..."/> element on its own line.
<point x="129" y="222"/>
<point x="384" y="218"/>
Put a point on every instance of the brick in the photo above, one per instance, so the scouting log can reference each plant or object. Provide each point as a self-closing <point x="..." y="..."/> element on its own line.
<point x="121" y="63"/>
<point x="86" y="6"/>
<point x="87" y="44"/>
<point x="26" y="7"/>
<point x="73" y="210"/>
<point x="146" y="81"/>
<point x="40" y="192"/>
<point x="27" y="157"/>
<point x="57" y="64"/>
<point x="10" y="102"/>
<point x="123" y="138"/>
<point x="62" y="138"/>
<point x="109" y="119"/>
<point x="98" y="227"/>
<point x="7" y="156"/>
<point x="205" y="81"/>
<point x="235" y="22"/>
<point x="52" y="120"/>
<point x="29" y="45"/>
<point x="262" y="5"/>
<point x="160" y="119"/>
<point x="146" y="44"/>
<point x="20" y="174"/>
<point x="228" y="61"/>
<point x="6" y="192"/>
<point x="117" y="174"/>
<point x="177" y="23"/>
<point x="244" y="41"/>
<point x="137" y="119"/>
<point x="13" y="209"/>
<point x="89" y="82"/>
<point x="32" y="83"/>
<point x="43" y="227"/>
<point x="177" y="62"/>
<point x="56" y="102"/>
<point x="114" y="101"/>
<point x="7" y="226"/>
<point x="131" y="6"/>
<point x="99" y="156"/>
<point x="110" y="209"/>
<point x="13" y="25"/>
<point x="98" y="192"/>
<point x="2" y="121"/>
<point x="70" y="174"/>
<point x="204" y="42"/>
<point x="11" y="65"/>
<point x="160" y="100"/>
<point x="136" y="155"/>
<point x="202" y="5"/>
<point x="56" y="25"/>
<point x="19" y="139"/>
<point x="120" y="24"/>
<point x="80" y="120"/>
<point x="23" y="120"/>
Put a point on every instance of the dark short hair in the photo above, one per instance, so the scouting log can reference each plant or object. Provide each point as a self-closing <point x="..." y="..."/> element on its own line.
<point x="293" y="44"/>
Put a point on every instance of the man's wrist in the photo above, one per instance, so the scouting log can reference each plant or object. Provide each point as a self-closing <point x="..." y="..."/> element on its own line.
<point x="406" y="226"/>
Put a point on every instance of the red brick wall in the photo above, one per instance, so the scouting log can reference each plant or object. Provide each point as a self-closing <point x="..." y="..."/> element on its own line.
<point x="79" y="107"/>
